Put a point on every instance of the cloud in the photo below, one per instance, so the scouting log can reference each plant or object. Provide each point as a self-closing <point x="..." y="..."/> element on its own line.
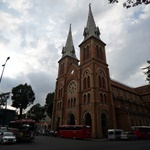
<point x="33" y="32"/>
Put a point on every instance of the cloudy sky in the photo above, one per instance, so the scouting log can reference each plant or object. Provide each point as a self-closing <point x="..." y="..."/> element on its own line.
<point x="33" y="32"/>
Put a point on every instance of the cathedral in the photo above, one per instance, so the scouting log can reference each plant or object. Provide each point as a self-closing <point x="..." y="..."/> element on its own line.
<point x="85" y="93"/>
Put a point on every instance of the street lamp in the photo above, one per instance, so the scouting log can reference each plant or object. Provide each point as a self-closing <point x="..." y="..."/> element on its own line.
<point x="4" y="68"/>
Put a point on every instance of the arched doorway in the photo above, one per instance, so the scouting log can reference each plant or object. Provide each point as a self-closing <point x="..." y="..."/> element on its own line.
<point x="71" y="119"/>
<point x="87" y="119"/>
<point x="104" y="123"/>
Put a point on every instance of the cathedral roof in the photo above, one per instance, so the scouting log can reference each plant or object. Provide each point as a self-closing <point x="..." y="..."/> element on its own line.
<point x="68" y="49"/>
<point x="91" y="29"/>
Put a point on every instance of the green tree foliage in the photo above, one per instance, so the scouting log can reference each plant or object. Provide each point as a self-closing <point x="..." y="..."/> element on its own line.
<point x="23" y="96"/>
<point x="131" y="3"/>
<point x="36" y="112"/>
<point x="147" y="72"/>
<point x="49" y="104"/>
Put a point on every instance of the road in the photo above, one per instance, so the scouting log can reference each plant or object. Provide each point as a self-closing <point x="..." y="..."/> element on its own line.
<point x="52" y="143"/>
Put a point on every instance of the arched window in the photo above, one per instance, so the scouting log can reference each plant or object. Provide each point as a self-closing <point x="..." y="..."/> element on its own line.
<point x="105" y="99"/>
<point x="71" y="102"/>
<point x="101" y="98"/>
<point x="97" y="51"/>
<point x="100" y="53"/>
<point x="101" y="79"/>
<point x="103" y="83"/>
<point x="61" y="70"/>
<point x="84" y="83"/>
<point x="60" y="90"/>
<point x="88" y="53"/>
<point x="74" y="101"/>
<point x="88" y="81"/>
<point x="89" y="97"/>
<point x="84" y="99"/>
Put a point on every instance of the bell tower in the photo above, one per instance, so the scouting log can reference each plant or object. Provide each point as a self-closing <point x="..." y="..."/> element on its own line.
<point x="67" y="60"/>
<point x="68" y="55"/>
<point x="92" y="46"/>
<point x="95" y="78"/>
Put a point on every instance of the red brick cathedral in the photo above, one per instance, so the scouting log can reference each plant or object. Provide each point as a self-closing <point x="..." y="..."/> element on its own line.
<point x="85" y="94"/>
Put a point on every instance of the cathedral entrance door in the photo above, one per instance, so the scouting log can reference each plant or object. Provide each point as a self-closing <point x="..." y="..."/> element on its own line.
<point x="104" y="123"/>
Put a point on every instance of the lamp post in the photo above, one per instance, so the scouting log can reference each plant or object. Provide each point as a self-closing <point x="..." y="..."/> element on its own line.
<point x="4" y="68"/>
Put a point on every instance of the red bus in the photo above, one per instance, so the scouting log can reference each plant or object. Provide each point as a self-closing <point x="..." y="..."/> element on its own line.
<point x="23" y="129"/>
<point x="142" y="132"/>
<point x="74" y="131"/>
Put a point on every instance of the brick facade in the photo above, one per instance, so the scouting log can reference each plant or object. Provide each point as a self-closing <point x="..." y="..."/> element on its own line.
<point x="85" y="94"/>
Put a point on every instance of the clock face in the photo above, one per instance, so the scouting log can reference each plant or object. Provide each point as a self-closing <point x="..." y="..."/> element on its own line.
<point x="72" y="88"/>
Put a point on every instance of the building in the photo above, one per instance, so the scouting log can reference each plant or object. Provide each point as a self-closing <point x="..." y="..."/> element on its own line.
<point x="85" y="93"/>
<point x="6" y="115"/>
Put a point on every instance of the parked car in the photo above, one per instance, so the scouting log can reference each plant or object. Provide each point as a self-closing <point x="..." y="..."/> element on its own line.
<point x="7" y="137"/>
<point x="128" y="136"/>
<point x="114" y="134"/>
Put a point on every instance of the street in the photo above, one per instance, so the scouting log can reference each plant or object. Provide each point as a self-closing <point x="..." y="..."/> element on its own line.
<point x="52" y="143"/>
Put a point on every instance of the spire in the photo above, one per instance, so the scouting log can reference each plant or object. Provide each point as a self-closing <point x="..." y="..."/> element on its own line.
<point x="91" y="29"/>
<point x="69" y="50"/>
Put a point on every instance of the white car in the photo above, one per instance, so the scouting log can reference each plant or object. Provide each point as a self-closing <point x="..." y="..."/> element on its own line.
<point x="7" y="137"/>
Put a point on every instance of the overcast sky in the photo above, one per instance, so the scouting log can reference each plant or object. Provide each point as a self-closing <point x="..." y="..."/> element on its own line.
<point x="33" y="32"/>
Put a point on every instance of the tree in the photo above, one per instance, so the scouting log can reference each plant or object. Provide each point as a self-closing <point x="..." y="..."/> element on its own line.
<point x="23" y="96"/>
<point x="147" y="71"/>
<point x="131" y="3"/>
<point x="49" y="104"/>
<point x="36" y="112"/>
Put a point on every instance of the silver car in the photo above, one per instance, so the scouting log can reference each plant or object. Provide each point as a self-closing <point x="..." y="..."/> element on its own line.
<point x="7" y="137"/>
<point x="128" y="136"/>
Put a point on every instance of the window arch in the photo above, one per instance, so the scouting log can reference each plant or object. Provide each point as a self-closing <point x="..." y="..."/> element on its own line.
<point x="60" y="90"/>
<point x="89" y="98"/>
<point x="101" y="98"/>
<point x="72" y="93"/>
<point x="99" y="52"/>
<point x="61" y="70"/>
<point x="86" y="79"/>
<point x="101" y="79"/>
<point x="86" y="53"/>
<point x="84" y="83"/>
<point x="71" y="102"/>
<point x="84" y="102"/>
<point x="103" y="83"/>
<point x="74" y="101"/>
<point x="105" y="99"/>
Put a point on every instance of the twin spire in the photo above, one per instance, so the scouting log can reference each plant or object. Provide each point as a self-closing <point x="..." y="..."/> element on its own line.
<point x="69" y="50"/>
<point x="89" y="30"/>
